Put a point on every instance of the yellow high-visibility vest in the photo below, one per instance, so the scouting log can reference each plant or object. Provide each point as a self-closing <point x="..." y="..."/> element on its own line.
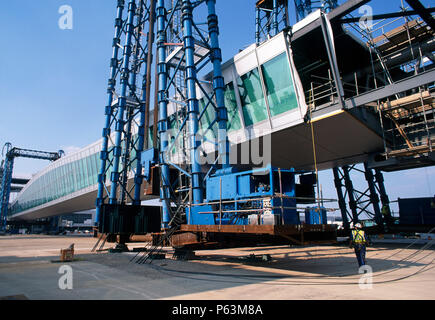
<point x="358" y="236"/>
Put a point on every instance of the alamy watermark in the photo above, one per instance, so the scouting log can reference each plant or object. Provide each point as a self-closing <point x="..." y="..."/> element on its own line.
<point x="66" y="280"/>
<point x="366" y="280"/>
<point x="366" y="20"/>
<point x="66" y="20"/>
<point x="255" y="149"/>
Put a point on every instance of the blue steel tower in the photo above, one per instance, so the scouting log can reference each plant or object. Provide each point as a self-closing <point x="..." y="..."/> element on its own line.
<point x="127" y="105"/>
<point x="305" y="7"/>
<point x="271" y="16"/>
<point x="179" y="62"/>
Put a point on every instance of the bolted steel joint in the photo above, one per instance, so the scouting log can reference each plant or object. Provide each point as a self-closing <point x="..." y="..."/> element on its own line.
<point x="116" y="42"/>
<point x="101" y="178"/>
<point x="132" y="6"/>
<point x="120" y="125"/>
<point x="215" y="54"/>
<point x="213" y="23"/>
<point x="161" y="96"/>
<point x="104" y="155"/>
<point x="190" y="73"/>
<point x="106" y="132"/>
<point x="114" y="177"/>
<point x="222" y="114"/>
<point x="189" y="42"/>
<point x="118" y="22"/>
<point x="112" y="84"/>
<point x="162" y="68"/>
<point x="161" y="12"/>
<point x="186" y="11"/>
<point x="162" y="126"/>
<point x="113" y="63"/>
<point x="107" y="110"/>
<point x="121" y="3"/>
<point x="124" y="75"/>
<point x="218" y="83"/>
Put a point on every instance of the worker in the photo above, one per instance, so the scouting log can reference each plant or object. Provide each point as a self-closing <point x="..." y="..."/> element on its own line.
<point x="358" y="242"/>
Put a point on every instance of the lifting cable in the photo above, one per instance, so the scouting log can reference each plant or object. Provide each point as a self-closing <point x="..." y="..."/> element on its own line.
<point x="314" y="150"/>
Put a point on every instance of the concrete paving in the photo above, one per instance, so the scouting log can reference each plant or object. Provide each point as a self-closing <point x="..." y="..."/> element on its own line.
<point x="29" y="268"/>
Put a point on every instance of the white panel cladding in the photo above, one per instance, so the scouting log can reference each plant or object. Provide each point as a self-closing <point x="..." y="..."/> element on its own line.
<point x="272" y="48"/>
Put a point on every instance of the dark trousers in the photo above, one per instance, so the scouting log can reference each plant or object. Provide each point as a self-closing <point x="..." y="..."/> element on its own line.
<point x="360" y="251"/>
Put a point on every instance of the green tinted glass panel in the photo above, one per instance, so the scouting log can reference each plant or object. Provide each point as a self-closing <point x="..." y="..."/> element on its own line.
<point x="207" y="118"/>
<point x="251" y="95"/>
<point x="150" y="137"/>
<point x="279" y="85"/>
<point x="231" y="105"/>
<point x="174" y="126"/>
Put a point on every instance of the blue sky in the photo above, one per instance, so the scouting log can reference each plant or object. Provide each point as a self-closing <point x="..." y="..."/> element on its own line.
<point x="53" y="82"/>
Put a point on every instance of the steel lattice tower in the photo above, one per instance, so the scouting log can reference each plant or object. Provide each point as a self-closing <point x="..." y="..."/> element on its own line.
<point x="179" y="62"/>
<point x="305" y="7"/>
<point x="6" y="171"/>
<point x="127" y="106"/>
<point x="271" y="17"/>
<point x="368" y="202"/>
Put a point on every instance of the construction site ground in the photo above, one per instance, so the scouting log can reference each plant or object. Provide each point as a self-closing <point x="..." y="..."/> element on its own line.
<point x="29" y="269"/>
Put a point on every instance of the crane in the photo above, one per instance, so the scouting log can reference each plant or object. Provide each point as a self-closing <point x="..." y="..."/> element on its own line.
<point x="10" y="153"/>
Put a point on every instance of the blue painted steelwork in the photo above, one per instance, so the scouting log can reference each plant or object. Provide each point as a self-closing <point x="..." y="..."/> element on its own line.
<point x="192" y="101"/>
<point x="145" y="100"/>
<point x="122" y="147"/>
<point x="316" y="215"/>
<point x="178" y="82"/>
<point x="257" y="25"/>
<point x="7" y="170"/>
<point x="275" y="17"/>
<point x="271" y="17"/>
<point x="163" y="110"/>
<point x="120" y="119"/>
<point x="218" y="85"/>
<point x="114" y="66"/>
<point x="305" y="7"/>
<point x="260" y="196"/>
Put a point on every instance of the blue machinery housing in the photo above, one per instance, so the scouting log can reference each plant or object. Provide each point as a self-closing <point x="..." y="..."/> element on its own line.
<point x="255" y="197"/>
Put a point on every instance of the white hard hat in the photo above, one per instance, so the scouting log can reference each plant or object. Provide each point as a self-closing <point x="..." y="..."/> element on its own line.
<point x="358" y="225"/>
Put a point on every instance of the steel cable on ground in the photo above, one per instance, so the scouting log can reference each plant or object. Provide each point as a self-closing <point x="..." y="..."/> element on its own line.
<point x="279" y="282"/>
<point x="314" y="277"/>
